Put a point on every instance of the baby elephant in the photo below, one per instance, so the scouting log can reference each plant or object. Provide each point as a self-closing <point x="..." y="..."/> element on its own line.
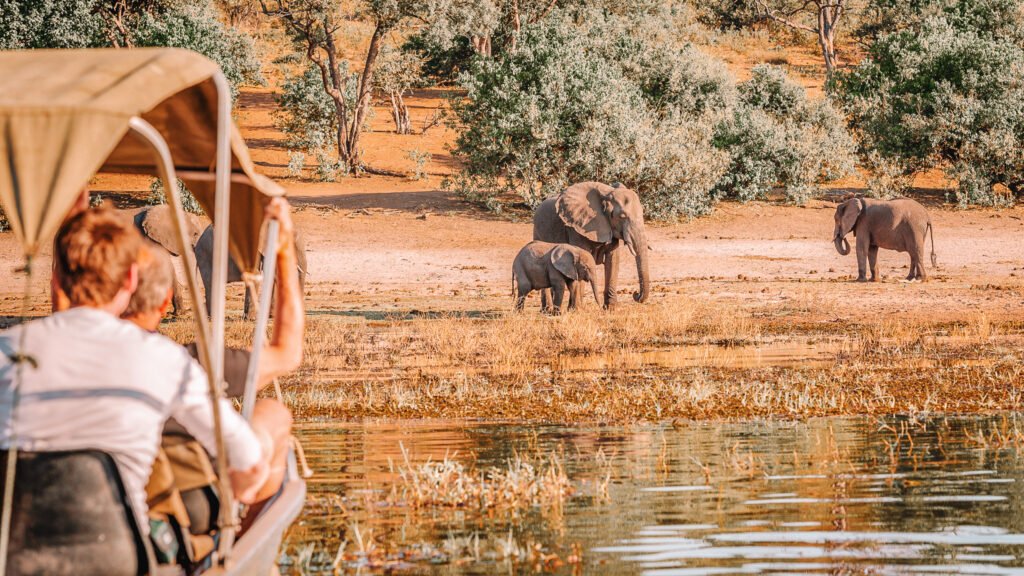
<point x="899" y="225"/>
<point x="541" y="265"/>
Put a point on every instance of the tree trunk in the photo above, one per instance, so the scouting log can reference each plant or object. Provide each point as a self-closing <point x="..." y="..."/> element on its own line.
<point x="400" y="113"/>
<point x="827" y="17"/>
<point x="363" y="98"/>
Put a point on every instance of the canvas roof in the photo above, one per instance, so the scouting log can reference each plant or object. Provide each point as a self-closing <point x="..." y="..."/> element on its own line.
<point x="64" y="116"/>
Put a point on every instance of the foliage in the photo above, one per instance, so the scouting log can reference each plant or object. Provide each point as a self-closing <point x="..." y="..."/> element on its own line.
<point x="727" y="14"/>
<point x="397" y="71"/>
<point x="442" y="64"/>
<point x="195" y="26"/>
<point x="188" y="201"/>
<point x="306" y="114"/>
<point x="941" y="94"/>
<point x="191" y="24"/>
<point x="420" y="158"/>
<point x="49" y="24"/>
<point x="571" y="104"/>
<point x="776" y="137"/>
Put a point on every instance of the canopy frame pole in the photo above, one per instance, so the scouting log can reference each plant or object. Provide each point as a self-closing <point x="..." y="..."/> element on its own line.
<point x="262" y="318"/>
<point x="228" y="516"/>
<point x="165" y="166"/>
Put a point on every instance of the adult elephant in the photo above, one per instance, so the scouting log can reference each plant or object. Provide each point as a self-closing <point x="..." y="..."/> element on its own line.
<point x="595" y="217"/>
<point x="204" y="260"/>
<point x="156" y="224"/>
<point x="901" y="225"/>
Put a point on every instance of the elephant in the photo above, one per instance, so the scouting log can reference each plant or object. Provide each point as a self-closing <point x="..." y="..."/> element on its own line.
<point x="596" y="217"/>
<point x="204" y="260"/>
<point x="157" y="225"/>
<point x="543" y="265"/>
<point x="900" y="225"/>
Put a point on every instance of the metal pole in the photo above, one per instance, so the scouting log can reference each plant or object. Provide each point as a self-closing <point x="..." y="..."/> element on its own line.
<point x="228" y="517"/>
<point x="165" y="167"/>
<point x="262" y="318"/>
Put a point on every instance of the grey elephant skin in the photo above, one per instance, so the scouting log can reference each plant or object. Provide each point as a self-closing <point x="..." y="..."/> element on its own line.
<point x="156" y="224"/>
<point x="204" y="260"/>
<point x="559" y="267"/>
<point x="899" y="225"/>
<point x="597" y="217"/>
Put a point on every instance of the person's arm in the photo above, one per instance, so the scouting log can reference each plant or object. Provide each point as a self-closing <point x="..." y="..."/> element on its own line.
<point x="249" y="450"/>
<point x="284" y="353"/>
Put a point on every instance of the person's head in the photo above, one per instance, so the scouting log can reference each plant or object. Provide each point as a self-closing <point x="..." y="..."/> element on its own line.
<point x="95" y="255"/>
<point x="155" y="291"/>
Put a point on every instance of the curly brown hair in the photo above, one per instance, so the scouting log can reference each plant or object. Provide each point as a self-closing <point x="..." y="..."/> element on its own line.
<point x="94" y="254"/>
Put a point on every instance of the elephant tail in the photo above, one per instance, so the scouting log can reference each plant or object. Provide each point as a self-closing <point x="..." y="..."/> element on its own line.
<point x="931" y="232"/>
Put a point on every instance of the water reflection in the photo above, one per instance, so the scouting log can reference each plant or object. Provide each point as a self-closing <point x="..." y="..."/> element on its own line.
<point x="847" y="495"/>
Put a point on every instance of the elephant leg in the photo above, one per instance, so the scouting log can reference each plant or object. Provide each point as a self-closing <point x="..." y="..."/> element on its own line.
<point x="178" y="299"/>
<point x="863" y="245"/>
<point x="248" y="310"/>
<point x="557" y="295"/>
<point x="522" y="290"/>
<point x="873" y="261"/>
<point x="574" y="290"/>
<point x="545" y="300"/>
<point x="611" y="278"/>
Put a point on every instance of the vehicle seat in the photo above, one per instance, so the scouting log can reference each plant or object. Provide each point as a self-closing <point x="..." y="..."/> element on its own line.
<point x="72" y="516"/>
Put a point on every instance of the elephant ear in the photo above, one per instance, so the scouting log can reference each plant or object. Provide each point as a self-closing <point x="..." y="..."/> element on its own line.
<point x="564" y="261"/>
<point x="581" y="207"/>
<point x="158" y="226"/>
<point x="851" y="212"/>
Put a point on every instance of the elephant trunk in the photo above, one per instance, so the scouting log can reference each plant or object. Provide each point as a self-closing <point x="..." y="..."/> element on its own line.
<point x="842" y="245"/>
<point x="642" y="271"/>
<point x="593" y="288"/>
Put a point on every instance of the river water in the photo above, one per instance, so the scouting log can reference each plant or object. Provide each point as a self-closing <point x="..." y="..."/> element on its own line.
<point x="936" y="495"/>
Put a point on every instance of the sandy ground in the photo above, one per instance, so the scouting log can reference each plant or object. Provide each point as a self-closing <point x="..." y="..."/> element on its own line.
<point x="380" y="244"/>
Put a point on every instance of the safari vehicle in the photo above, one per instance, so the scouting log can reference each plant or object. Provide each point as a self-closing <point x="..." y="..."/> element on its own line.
<point x="66" y="116"/>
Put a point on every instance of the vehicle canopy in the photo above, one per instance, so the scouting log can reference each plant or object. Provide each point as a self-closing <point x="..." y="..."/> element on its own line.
<point x="65" y="116"/>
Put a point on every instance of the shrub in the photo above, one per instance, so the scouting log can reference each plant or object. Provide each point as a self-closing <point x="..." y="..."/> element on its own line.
<point x="307" y="116"/>
<point x="776" y="137"/>
<point x="943" y="94"/>
<point x="188" y="201"/>
<point x="569" y="106"/>
<point x="195" y="26"/>
<point x="49" y="24"/>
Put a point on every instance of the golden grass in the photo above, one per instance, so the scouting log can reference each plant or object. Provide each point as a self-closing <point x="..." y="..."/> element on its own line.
<point x="539" y="368"/>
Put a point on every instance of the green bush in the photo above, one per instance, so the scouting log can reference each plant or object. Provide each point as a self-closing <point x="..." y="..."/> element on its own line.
<point x="776" y="137"/>
<point x="191" y="24"/>
<point x="195" y="26"/>
<point x="572" y="104"/>
<point x="188" y="201"/>
<point x="942" y="94"/>
<point x="49" y="24"/>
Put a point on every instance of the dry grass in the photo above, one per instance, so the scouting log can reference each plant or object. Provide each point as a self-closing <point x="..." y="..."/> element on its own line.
<point x="514" y="366"/>
<point x="524" y="483"/>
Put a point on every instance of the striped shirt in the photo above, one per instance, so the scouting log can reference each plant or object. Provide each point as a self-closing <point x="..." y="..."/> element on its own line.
<point x="92" y="381"/>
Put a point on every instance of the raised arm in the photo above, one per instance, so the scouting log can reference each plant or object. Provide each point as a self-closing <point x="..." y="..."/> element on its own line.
<point x="284" y="353"/>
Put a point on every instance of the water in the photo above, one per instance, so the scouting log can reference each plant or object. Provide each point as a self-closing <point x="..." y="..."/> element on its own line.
<point x="839" y="496"/>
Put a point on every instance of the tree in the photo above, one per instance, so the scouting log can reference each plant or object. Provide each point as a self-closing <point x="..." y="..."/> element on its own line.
<point x="824" y="15"/>
<point x="398" y="73"/>
<point x="313" y="25"/>
<point x="192" y="24"/>
<point x="605" y="98"/>
<point x="945" y="93"/>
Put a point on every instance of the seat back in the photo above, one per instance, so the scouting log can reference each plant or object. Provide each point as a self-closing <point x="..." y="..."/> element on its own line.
<point x="71" y="515"/>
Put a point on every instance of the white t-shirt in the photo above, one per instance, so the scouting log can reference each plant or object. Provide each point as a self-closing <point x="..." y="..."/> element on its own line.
<point x="102" y="383"/>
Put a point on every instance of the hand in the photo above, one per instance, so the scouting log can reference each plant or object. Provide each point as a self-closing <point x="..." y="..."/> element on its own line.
<point x="279" y="209"/>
